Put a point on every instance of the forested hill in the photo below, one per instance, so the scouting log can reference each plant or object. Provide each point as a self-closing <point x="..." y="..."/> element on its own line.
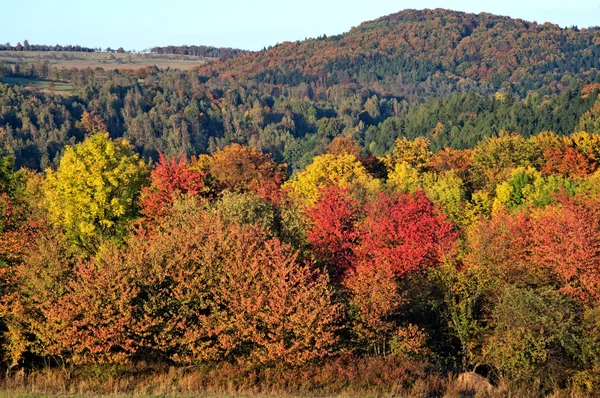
<point x="430" y="51"/>
<point x="451" y="77"/>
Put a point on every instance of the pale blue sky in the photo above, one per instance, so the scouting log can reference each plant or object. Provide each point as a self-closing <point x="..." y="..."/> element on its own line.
<point x="250" y="24"/>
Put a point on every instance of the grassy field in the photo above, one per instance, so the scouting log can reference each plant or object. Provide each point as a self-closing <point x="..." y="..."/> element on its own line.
<point x="103" y="60"/>
<point x="44" y="85"/>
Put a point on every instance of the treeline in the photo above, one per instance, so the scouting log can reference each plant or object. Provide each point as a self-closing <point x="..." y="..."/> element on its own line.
<point x="183" y="112"/>
<point x="480" y="259"/>
<point x="42" y="47"/>
<point x="200" y="51"/>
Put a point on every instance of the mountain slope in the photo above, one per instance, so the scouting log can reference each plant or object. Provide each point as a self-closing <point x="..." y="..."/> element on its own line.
<point x="430" y="51"/>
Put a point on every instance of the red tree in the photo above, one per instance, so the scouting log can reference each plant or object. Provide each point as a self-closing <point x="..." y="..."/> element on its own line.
<point x="405" y="233"/>
<point x="567" y="241"/>
<point x="333" y="234"/>
<point x="170" y="179"/>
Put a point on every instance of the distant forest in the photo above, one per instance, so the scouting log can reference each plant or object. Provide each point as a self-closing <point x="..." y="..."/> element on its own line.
<point x="42" y="47"/>
<point x="200" y="51"/>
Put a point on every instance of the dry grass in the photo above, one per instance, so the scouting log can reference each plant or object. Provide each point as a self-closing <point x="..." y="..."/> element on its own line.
<point x="371" y="377"/>
<point x="82" y="60"/>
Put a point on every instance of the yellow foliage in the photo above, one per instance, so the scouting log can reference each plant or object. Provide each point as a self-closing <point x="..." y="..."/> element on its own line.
<point x="404" y="177"/>
<point x="95" y="189"/>
<point x="328" y="170"/>
<point x="444" y="189"/>
<point x="414" y="152"/>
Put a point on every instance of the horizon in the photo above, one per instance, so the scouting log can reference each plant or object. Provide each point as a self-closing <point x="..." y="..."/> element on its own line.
<point x="138" y="28"/>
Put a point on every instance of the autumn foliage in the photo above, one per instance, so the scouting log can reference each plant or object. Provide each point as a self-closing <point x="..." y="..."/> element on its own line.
<point x="218" y="260"/>
<point x="170" y="179"/>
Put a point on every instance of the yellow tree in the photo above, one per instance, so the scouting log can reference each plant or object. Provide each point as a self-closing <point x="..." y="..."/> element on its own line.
<point x="94" y="192"/>
<point x="328" y="170"/>
<point x="413" y="152"/>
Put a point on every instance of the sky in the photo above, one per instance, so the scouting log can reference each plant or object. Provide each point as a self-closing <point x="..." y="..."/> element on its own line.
<point x="247" y="24"/>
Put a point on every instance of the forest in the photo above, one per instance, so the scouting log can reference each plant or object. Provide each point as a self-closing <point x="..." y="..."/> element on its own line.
<point x="411" y="208"/>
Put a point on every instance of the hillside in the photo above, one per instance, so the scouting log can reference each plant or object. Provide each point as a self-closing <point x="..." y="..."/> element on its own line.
<point x="429" y="51"/>
<point x="451" y="77"/>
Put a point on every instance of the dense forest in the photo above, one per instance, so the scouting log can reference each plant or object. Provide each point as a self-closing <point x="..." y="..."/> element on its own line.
<point x="409" y="209"/>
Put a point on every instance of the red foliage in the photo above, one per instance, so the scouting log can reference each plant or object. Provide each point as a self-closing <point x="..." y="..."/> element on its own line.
<point x="567" y="241"/>
<point x="333" y="234"/>
<point x="405" y="233"/>
<point x="17" y="233"/>
<point x="170" y="179"/>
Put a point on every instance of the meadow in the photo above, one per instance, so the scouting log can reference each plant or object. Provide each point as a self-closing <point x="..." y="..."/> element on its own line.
<point x="44" y="85"/>
<point x="82" y="60"/>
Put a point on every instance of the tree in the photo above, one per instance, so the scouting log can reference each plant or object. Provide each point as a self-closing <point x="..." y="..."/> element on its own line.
<point x="333" y="233"/>
<point x="246" y="169"/>
<point x="170" y="179"/>
<point x="327" y="170"/>
<point x="94" y="192"/>
<point x="374" y="298"/>
<point x="340" y="146"/>
<point x="415" y="153"/>
<point x="566" y="242"/>
<point x="406" y="233"/>
<point x="194" y="288"/>
<point x="494" y="159"/>
<point x="590" y="121"/>
<point x="536" y="336"/>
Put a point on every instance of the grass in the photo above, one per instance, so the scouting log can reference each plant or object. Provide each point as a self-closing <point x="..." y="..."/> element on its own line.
<point x="343" y="377"/>
<point x="82" y="60"/>
<point x="45" y="85"/>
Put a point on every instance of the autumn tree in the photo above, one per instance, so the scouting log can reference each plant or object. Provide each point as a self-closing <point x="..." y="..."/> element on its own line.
<point x="344" y="146"/>
<point x="333" y="232"/>
<point x="327" y="170"/>
<point x="494" y="159"/>
<point x="590" y="121"/>
<point x="566" y="242"/>
<point x="246" y="169"/>
<point x="170" y="179"/>
<point x="415" y="153"/>
<point x="94" y="192"/>
<point x="405" y="232"/>
<point x="194" y="288"/>
<point x="374" y="299"/>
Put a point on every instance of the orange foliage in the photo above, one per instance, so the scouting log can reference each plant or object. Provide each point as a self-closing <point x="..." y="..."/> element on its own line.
<point x="566" y="241"/>
<point x="344" y="146"/>
<point x="568" y="161"/>
<point x="192" y="289"/>
<point x="242" y="168"/>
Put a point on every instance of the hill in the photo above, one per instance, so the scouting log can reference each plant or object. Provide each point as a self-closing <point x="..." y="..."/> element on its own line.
<point x="427" y="52"/>
<point x="451" y="77"/>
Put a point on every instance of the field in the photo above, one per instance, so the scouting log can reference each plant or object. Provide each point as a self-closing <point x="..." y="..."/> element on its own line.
<point x="44" y="85"/>
<point x="82" y="60"/>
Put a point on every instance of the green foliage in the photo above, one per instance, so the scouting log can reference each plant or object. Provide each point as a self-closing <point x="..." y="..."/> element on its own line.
<point x="246" y="208"/>
<point x="536" y="338"/>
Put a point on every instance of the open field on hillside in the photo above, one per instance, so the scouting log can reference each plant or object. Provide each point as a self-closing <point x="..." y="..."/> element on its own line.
<point x="82" y="60"/>
<point x="45" y="85"/>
